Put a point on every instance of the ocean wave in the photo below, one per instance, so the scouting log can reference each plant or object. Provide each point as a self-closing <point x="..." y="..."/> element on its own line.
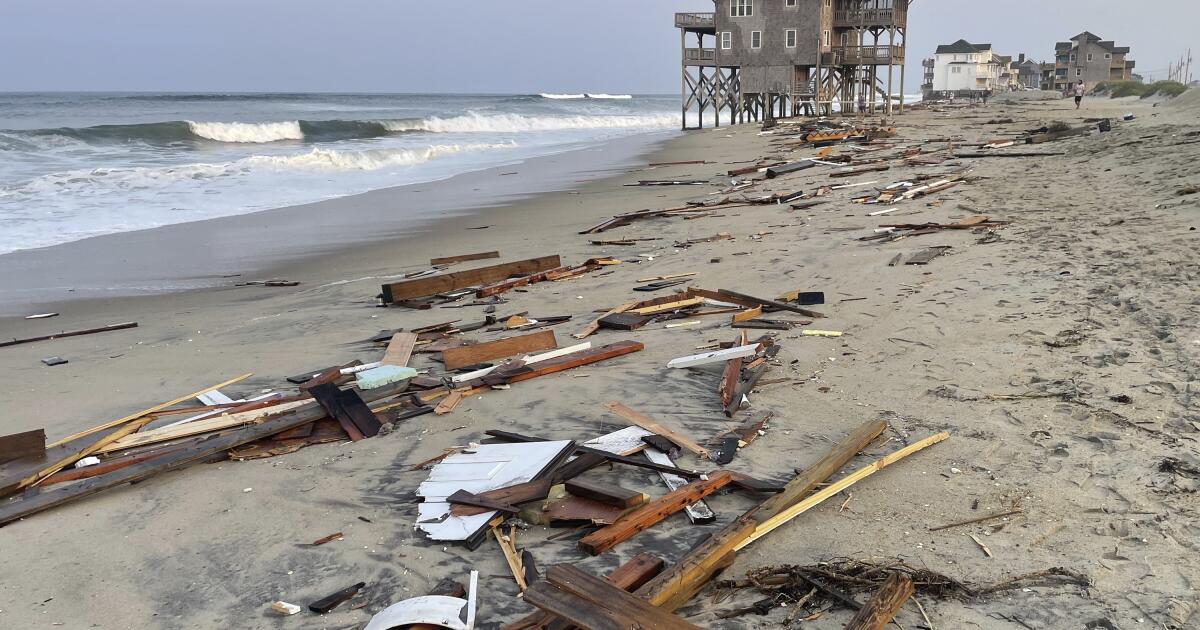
<point x="368" y="160"/>
<point x="515" y="123"/>
<point x="188" y="131"/>
<point x="622" y="97"/>
<point x="562" y="97"/>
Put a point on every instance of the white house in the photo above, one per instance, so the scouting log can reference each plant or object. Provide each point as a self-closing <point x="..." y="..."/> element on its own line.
<point x="963" y="66"/>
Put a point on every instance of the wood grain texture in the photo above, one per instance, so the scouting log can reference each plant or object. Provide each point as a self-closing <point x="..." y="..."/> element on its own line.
<point x="455" y="358"/>
<point x="652" y="513"/>
<point x="884" y="605"/>
<point x="432" y="285"/>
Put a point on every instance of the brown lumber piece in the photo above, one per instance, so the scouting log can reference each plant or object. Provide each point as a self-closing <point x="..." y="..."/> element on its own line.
<point x="399" y="349"/>
<point x="512" y="283"/>
<point x="855" y="170"/>
<point x="606" y="493"/>
<point x="887" y="601"/>
<point x="22" y="445"/>
<point x="328" y="603"/>
<point x="327" y="539"/>
<point x="625" y="321"/>
<point x="730" y="296"/>
<point x="454" y="358"/>
<point x="197" y="427"/>
<point x="652" y="513"/>
<point x="668" y="306"/>
<point x="120" y="421"/>
<point x="345" y="406"/>
<point x="744" y="386"/>
<point x="748" y="314"/>
<point x="198" y="451"/>
<point x="450" y="260"/>
<point x="686" y="577"/>
<point x="624" y="611"/>
<point x="468" y="499"/>
<point x="510" y="557"/>
<point x="595" y="325"/>
<point x="432" y="285"/>
<point x="649" y="424"/>
<point x="924" y="256"/>
<point x="106" y="466"/>
<point x="627" y="577"/>
<point x="515" y="374"/>
<point x="449" y="403"/>
<point x="73" y="333"/>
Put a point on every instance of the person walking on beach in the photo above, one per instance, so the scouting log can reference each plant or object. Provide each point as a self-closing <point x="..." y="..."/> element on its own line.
<point x="1078" y="94"/>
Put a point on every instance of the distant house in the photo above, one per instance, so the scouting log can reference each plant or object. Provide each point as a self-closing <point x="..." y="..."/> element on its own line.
<point x="1089" y="59"/>
<point x="1029" y="72"/>
<point x="963" y="67"/>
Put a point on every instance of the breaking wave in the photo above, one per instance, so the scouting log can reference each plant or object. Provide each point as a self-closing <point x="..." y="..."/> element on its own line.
<point x="177" y="132"/>
<point x="562" y="97"/>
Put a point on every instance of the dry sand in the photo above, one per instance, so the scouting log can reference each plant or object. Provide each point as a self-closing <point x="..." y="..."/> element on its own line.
<point x="1099" y="243"/>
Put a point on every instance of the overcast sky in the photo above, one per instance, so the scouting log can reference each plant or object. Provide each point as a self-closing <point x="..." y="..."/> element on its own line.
<point x="479" y="45"/>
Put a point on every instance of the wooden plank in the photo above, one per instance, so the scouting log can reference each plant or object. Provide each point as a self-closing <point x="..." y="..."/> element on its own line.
<point x="450" y="260"/>
<point x="345" y="406"/>
<point x="515" y="374"/>
<point x="511" y="558"/>
<point x="513" y="283"/>
<point x="449" y="403"/>
<point x="72" y="333"/>
<point x="770" y="524"/>
<point x="22" y="445"/>
<point x="668" y="307"/>
<point x="399" y="349"/>
<point x="606" y="493"/>
<point x="627" y="577"/>
<point x="748" y="314"/>
<point x="106" y="466"/>
<point x="328" y="603"/>
<point x="432" y="285"/>
<point x="726" y="295"/>
<point x="884" y="605"/>
<point x="715" y="357"/>
<point x="924" y="256"/>
<point x="574" y="509"/>
<point x="578" y="611"/>
<point x="613" y="457"/>
<point x="595" y="325"/>
<point x="652" y="513"/>
<point x="649" y="424"/>
<point x="472" y="500"/>
<point x="686" y="577"/>
<point x="513" y="495"/>
<point x="603" y="594"/>
<point x="120" y="421"/>
<point x="625" y="321"/>
<point x="455" y="358"/>
<point x="208" y="425"/>
<point x="199" y="451"/>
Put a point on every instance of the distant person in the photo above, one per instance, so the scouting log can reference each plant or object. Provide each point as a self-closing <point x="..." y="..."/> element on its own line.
<point x="862" y="102"/>
<point x="986" y="95"/>
<point x="1078" y="94"/>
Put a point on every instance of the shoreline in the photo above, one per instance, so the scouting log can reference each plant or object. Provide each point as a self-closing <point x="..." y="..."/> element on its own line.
<point x="217" y="253"/>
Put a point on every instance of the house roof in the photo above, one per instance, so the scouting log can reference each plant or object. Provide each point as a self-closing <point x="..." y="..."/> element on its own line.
<point x="963" y="46"/>
<point x="1086" y="36"/>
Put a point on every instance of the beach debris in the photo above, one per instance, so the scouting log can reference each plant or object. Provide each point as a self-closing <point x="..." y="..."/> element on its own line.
<point x="628" y="577"/>
<point x="430" y="611"/>
<point x="269" y="283"/>
<point x="327" y="539"/>
<point x="653" y="512"/>
<point x="651" y="425"/>
<point x="27" y="444"/>
<point x="383" y="375"/>
<point x="329" y="602"/>
<point x="72" y="333"/>
<point x="434" y="285"/>
<point x="589" y="602"/>
<point x="715" y="356"/>
<point x="455" y="358"/>
<point x="877" y="613"/>
<point x="981" y="519"/>
<point x="285" y="608"/>
<point x="452" y="260"/>
<point x="41" y="316"/>
<point x="52" y="361"/>
<point x="670" y="182"/>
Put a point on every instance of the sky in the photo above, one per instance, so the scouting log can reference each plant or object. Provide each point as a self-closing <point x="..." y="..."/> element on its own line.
<point x="489" y="46"/>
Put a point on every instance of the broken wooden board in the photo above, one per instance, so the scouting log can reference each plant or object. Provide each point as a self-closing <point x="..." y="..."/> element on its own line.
<point x="595" y="325"/>
<point x="432" y="285"/>
<point x="651" y="425"/>
<point x="399" y="349"/>
<point x="624" y="321"/>
<point x="22" y="445"/>
<point x="794" y="167"/>
<point x="323" y="431"/>
<point x="924" y="256"/>
<point x="628" y="577"/>
<point x="450" y="260"/>
<point x="72" y="333"/>
<point x="652" y="513"/>
<point x="515" y="374"/>
<point x="594" y="604"/>
<point x="345" y="406"/>
<point x="668" y="306"/>
<point x="576" y="509"/>
<point x="513" y="495"/>
<point x="198" y="451"/>
<point x="726" y="295"/>
<point x="198" y="427"/>
<point x="887" y="601"/>
<point x="455" y="358"/>
<point x="716" y="356"/>
<point x="697" y="512"/>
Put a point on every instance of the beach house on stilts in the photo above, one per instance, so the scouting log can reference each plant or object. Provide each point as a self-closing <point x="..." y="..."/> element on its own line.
<point x="753" y="59"/>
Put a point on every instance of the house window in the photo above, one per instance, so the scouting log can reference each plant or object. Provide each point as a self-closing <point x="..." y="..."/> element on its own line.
<point x="1108" y="55"/>
<point x="826" y="38"/>
<point x="741" y="8"/>
<point x="756" y="39"/>
<point x="789" y="3"/>
<point x="789" y="38"/>
<point x="1078" y="72"/>
<point x="726" y="40"/>
<point x="956" y="70"/>
<point x="1089" y="56"/>
<point x="1072" y="56"/>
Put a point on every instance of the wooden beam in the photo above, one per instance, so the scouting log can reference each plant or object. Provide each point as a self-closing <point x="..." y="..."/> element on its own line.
<point x="595" y="325"/>
<point x="515" y="374"/>
<point x="725" y="295"/>
<point x="72" y="333"/>
<point x="348" y="408"/>
<point x="882" y="608"/>
<point x="450" y="260"/>
<point x="649" y="424"/>
<point x="22" y="445"/>
<point x="432" y="285"/>
<point x="207" y="425"/>
<point x="627" y="577"/>
<point x="652" y="513"/>
<point x="454" y="358"/>
<point x="668" y="307"/>
<point x="626" y="610"/>
<point x="769" y="525"/>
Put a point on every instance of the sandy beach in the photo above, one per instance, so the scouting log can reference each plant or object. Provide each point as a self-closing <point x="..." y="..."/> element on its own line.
<point x="1059" y="350"/>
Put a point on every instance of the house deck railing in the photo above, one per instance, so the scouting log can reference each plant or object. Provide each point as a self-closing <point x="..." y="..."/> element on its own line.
<point x="869" y="17"/>
<point x="699" y="56"/>
<point x="866" y="55"/>
<point x="695" y="20"/>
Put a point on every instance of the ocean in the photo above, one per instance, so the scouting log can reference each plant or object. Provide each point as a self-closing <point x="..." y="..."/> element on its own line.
<point x="73" y="166"/>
